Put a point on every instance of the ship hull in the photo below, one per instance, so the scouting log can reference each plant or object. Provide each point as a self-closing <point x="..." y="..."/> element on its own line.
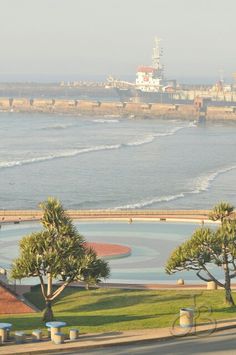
<point x="136" y="95"/>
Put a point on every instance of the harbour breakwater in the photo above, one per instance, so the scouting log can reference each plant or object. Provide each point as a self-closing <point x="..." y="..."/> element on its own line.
<point x="123" y="109"/>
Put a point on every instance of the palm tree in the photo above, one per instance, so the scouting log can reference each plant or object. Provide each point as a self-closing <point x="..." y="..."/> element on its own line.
<point x="208" y="247"/>
<point x="59" y="252"/>
<point x="94" y="269"/>
<point x="221" y="211"/>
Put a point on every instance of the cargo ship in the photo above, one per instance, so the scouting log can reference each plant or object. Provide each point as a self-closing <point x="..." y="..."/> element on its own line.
<point x="150" y="84"/>
<point x="152" y="87"/>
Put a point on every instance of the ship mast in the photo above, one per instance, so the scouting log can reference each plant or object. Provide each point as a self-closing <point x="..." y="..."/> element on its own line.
<point x="156" y="56"/>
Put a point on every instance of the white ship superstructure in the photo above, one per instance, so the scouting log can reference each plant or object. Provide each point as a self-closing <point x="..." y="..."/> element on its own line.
<point x="150" y="78"/>
<point x="151" y="86"/>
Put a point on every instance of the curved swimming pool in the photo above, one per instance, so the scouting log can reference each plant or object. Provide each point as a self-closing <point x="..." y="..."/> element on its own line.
<point x="151" y="244"/>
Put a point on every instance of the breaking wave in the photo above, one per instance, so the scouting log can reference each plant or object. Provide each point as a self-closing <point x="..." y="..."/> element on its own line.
<point x="202" y="184"/>
<point x="71" y="153"/>
<point x="170" y="133"/>
<point x="151" y="137"/>
<point x="148" y="139"/>
<point x="106" y="121"/>
<point x="145" y="203"/>
<point x="56" y="127"/>
<point x="67" y="154"/>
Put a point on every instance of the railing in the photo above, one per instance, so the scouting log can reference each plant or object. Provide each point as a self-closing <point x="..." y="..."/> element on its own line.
<point x="21" y="215"/>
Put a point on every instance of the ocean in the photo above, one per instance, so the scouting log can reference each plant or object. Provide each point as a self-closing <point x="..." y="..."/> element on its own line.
<point x="120" y="163"/>
<point x="113" y="162"/>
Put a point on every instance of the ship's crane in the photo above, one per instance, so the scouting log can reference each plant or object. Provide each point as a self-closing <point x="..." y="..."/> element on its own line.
<point x="115" y="83"/>
<point x="156" y="57"/>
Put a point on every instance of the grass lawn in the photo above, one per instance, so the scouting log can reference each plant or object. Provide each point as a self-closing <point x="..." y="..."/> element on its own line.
<point x="104" y="310"/>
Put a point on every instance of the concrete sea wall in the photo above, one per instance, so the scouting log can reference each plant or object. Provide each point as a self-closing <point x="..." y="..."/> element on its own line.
<point x="131" y="109"/>
<point x="125" y="215"/>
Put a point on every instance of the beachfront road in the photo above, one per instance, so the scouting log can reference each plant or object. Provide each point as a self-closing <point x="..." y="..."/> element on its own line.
<point x="223" y="342"/>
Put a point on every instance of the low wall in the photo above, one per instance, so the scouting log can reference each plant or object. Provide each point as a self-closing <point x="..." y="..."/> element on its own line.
<point x="126" y="215"/>
<point x="130" y="109"/>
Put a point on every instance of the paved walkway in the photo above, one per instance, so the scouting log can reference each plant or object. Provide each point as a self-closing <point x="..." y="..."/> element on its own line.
<point x="91" y="341"/>
<point x="17" y="216"/>
<point x="162" y="286"/>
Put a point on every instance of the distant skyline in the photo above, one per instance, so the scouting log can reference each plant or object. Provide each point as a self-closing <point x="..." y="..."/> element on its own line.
<point x="53" y="40"/>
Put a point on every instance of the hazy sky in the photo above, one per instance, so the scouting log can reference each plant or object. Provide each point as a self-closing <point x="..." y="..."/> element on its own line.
<point x="66" y="39"/>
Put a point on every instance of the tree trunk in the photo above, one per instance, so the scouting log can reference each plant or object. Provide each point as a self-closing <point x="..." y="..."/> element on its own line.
<point x="48" y="313"/>
<point x="228" y="296"/>
<point x="49" y="288"/>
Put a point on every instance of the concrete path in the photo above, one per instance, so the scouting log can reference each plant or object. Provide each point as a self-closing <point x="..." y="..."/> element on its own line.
<point x="17" y="216"/>
<point x="220" y="343"/>
<point x="95" y="341"/>
<point x="158" y="286"/>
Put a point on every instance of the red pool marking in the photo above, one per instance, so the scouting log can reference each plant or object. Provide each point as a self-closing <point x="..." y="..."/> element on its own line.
<point x="106" y="250"/>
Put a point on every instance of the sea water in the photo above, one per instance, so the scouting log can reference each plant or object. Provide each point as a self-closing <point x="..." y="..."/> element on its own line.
<point x="113" y="162"/>
<point x="121" y="163"/>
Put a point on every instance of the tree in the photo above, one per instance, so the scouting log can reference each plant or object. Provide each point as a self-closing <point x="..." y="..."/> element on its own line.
<point x="57" y="252"/>
<point x="209" y="246"/>
<point x="221" y="211"/>
<point x="96" y="269"/>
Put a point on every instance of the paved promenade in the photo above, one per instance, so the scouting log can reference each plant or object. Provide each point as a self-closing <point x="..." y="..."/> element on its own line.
<point x="129" y="216"/>
<point x="94" y="341"/>
<point x="157" y="286"/>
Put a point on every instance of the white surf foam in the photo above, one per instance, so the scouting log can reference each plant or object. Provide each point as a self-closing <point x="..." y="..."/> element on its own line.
<point x="56" y="127"/>
<point x="148" y="139"/>
<point x="72" y="153"/>
<point x="202" y="184"/>
<point x="170" y="133"/>
<point x="145" y="203"/>
<point x="106" y="121"/>
<point x="193" y="124"/>
<point x="145" y="140"/>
